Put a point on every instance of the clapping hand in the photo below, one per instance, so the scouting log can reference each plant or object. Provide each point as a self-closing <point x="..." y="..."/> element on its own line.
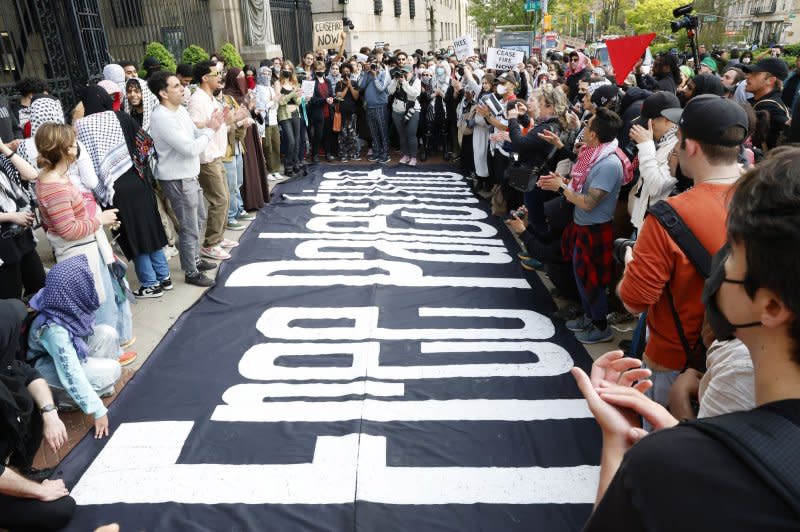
<point x="551" y="182"/>
<point x="551" y="138"/>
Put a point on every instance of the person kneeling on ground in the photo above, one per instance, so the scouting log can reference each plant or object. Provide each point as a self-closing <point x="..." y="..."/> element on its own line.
<point x="27" y="414"/>
<point x="75" y="356"/>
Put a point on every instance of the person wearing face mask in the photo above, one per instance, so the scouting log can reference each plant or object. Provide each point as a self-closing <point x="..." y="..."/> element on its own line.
<point x="710" y="133"/>
<point x="735" y="471"/>
<point x="320" y="114"/>
<point x="267" y="97"/>
<point x="481" y="130"/>
<point x="406" y="89"/>
<point x="347" y="96"/>
<point x="289" y="118"/>
<point x="439" y="113"/>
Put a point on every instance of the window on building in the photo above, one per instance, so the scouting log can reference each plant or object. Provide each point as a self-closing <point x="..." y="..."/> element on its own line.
<point x="377" y="7"/>
<point x="7" y="60"/>
<point x="398" y="7"/>
<point x="127" y="13"/>
<point x="412" y="9"/>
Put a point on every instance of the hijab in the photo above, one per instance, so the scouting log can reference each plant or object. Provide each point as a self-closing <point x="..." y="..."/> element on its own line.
<point x="264" y="77"/>
<point x="583" y="62"/>
<point x="69" y="299"/>
<point x="441" y="81"/>
<point x="95" y="99"/>
<point x="235" y="87"/>
<point x="45" y="110"/>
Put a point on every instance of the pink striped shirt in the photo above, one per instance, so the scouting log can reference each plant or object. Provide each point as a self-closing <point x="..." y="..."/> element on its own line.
<point x="64" y="212"/>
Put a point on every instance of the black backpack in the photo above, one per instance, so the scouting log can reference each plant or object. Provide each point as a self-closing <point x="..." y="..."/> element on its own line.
<point x="680" y="233"/>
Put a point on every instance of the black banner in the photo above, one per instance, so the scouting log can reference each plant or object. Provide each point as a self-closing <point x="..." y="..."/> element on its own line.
<point x="372" y="358"/>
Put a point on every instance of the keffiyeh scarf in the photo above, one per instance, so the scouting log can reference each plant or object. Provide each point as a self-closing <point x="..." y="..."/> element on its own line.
<point x="69" y="299"/>
<point x="587" y="158"/>
<point x="103" y="138"/>
<point x="149" y="102"/>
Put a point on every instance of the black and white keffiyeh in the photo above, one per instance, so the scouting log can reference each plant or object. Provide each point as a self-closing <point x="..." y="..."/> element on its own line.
<point x="149" y="102"/>
<point x="13" y="193"/>
<point x="43" y="110"/>
<point x="103" y="138"/>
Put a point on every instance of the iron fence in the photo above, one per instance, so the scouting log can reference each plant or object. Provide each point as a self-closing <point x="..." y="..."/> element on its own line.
<point x="293" y="27"/>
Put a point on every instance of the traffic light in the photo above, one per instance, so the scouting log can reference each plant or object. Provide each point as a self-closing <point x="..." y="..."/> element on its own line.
<point x="547" y="22"/>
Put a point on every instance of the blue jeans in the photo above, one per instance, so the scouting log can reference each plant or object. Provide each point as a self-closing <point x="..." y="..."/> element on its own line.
<point x="151" y="268"/>
<point x="235" y="173"/>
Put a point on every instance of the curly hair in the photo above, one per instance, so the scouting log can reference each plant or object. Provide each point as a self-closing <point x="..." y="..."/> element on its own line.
<point x="27" y="86"/>
<point x="555" y="98"/>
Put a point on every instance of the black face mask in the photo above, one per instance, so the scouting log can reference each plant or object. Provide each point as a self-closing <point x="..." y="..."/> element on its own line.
<point x="286" y="74"/>
<point x="320" y="74"/>
<point x="723" y="329"/>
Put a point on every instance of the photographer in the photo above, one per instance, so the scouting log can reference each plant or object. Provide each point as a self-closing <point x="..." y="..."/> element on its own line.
<point x="346" y="97"/>
<point x="658" y="276"/>
<point x="406" y="88"/>
<point x="374" y="86"/>
<point x="320" y="114"/>
<point x="20" y="265"/>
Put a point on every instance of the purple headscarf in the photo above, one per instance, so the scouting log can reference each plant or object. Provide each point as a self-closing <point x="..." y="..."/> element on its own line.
<point x="69" y="298"/>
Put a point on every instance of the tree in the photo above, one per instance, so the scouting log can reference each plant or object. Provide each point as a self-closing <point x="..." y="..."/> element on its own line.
<point x="230" y="55"/>
<point x="652" y="16"/>
<point x="160" y="52"/>
<point x="488" y="14"/>
<point x="194" y="54"/>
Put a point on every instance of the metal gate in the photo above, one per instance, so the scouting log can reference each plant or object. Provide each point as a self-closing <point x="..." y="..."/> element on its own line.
<point x="294" y="29"/>
<point x="61" y="41"/>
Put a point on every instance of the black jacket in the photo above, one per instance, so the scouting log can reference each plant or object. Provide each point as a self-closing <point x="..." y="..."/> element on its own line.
<point x="778" y="115"/>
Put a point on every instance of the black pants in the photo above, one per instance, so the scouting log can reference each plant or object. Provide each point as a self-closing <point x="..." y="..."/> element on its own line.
<point x="291" y="133"/>
<point x="467" y="159"/>
<point x="320" y="132"/>
<point x="17" y="514"/>
<point x="28" y="273"/>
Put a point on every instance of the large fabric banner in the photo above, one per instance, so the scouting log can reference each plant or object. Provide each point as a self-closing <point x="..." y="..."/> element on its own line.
<point x="372" y="358"/>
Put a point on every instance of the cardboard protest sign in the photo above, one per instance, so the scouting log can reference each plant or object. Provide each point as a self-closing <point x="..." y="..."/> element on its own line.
<point x="503" y="59"/>
<point x="308" y="89"/>
<point x="463" y="47"/>
<point x="327" y="34"/>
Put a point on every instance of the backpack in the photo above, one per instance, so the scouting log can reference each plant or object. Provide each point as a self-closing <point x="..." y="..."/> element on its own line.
<point x="767" y="442"/>
<point x="680" y="233"/>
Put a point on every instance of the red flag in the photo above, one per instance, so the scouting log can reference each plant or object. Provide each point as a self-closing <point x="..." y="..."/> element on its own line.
<point x="625" y="51"/>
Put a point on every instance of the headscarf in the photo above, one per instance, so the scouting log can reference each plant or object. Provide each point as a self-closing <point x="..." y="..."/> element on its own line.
<point x="109" y="137"/>
<point x="235" y="87"/>
<point x="149" y="102"/>
<point x="441" y="82"/>
<point x="264" y="77"/>
<point x="115" y="73"/>
<point x="583" y="62"/>
<point x="114" y="91"/>
<point x="251" y="82"/>
<point x="69" y="299"/>
<point x="687" y="71"/>
<point x="42" y="111"/>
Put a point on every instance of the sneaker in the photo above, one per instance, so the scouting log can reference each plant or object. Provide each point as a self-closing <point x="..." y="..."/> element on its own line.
<point x="372" y="158"/>
<point x="330" y="158"/>
<point x="166" y="284"/>
<point x="228" y="244"/>
<point x="404" y="159"/>
<point x="215" y="252"/>
<point x="579" y="324"/>
<point x="384" y="160"/>
<point x="273" y="176"/>
<point x="412" y="162"/>
<point x="127" y="358"/>
<point x="127" y="344"/>
<point x="355" y="158"/>
<point x="245" y="216"/>
<point x="199" y="279"/>
<point x="532" y="264"/>
<point x="235" y="226"/>
<point x="593" y="335"/>
<point x="204" y="265"/>
<point x="148" y="292"/>
<point x="343" y="159"/>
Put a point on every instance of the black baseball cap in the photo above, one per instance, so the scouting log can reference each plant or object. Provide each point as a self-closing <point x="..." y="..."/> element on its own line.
<point x="775" y="66"/>
<point x="707" y="117"/>
<point x="654" y="104"/>
<point x="604" y="94"/>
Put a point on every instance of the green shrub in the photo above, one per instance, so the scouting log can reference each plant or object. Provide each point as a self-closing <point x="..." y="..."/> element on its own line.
<point x="194" y="54"/>
<point x="231" y="56"/>
<point x="160" y="52"/>
<point x="792" y="49"/>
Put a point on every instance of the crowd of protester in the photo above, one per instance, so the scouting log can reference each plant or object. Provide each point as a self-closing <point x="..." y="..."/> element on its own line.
<point x="141" y="170"/>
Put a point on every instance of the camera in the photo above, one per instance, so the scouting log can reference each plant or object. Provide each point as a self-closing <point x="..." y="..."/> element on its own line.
<point x="373" y="66"/>
<point x="460" y="70"/>
<point x="347" y="23"/>
<point x="12" y="230"/>
<point x="620" y="246"/>
<point x="520" y="213"/>
<point x="685" y="19"/>
<point x="397" y="73"/>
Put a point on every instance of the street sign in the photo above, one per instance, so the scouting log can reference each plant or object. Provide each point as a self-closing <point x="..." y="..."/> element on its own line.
<point x="710" y="18"/>
<point x="532" y="5"/>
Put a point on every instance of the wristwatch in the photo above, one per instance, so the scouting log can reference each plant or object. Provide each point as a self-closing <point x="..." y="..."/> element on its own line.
<point x="47" y="408"/>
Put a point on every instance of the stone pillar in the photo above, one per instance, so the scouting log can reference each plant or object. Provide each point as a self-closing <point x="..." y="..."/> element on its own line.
<point x="227" y="25"/>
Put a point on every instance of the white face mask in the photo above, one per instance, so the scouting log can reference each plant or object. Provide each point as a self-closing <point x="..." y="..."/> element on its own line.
<point x="746" y="60"/>
<point x="501" y="89"/>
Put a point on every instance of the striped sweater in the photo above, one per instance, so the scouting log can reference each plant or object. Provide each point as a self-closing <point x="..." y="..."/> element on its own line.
<point x="63" y="211"/>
